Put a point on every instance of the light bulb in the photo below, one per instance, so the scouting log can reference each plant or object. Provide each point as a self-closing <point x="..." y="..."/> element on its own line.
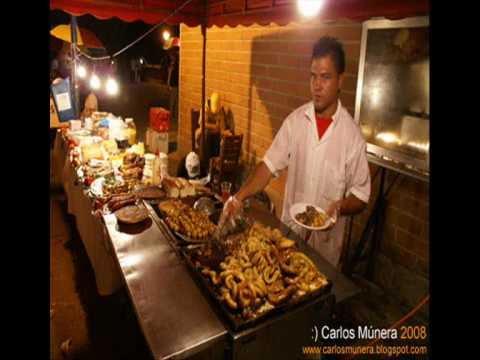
<point x="112" y="87"/>
<point x="81" y="71"/>
<point x="166" y="35"/>
<point x="309" y="8"/>
<point x="141" y="61"/>
<point x="95" y="82"/>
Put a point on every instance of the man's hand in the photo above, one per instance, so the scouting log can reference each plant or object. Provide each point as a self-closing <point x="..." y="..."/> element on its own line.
<point x="254" y="184"/>
<point x="231" y="208"/>
<point x="333" y="210"/>
<point x="348" y="206"/>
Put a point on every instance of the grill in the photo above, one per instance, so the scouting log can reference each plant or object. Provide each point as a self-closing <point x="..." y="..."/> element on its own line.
<point x="235" y="322"/>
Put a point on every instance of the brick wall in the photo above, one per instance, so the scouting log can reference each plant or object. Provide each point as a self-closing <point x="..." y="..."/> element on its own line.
<point x="402" y="264"/>
<point x="262" y="74"/>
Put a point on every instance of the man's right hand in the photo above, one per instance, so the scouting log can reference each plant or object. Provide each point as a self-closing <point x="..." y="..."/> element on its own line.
<point x="231" y="208"/>
<point x="254" y="184"/>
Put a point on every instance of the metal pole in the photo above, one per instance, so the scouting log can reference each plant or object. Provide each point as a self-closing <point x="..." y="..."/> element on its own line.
<point x="369" y="227"/>
<point x="378" y="225"/>
<point x="204" y="49"/>
<point x="73" y="30"/>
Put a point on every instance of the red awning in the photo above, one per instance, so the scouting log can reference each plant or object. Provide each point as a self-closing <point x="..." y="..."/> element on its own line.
<point x="239" y="12"/>
<point x="148" y="11"/>
<point x="281" y="12"/>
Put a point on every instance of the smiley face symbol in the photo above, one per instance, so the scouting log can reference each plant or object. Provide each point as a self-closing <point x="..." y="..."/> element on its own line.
<point x="314" y="333"/>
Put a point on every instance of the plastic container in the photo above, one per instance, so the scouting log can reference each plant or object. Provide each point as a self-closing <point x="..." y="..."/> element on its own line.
<point x="75" y="125"/>
<point x="116" y="127"/>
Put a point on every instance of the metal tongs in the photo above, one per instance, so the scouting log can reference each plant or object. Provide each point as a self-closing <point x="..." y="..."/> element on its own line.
<point x="222" y="230"/>
<point x="227" y="227"/>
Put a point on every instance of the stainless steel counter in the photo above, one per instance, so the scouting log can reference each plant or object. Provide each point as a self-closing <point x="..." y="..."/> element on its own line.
<point x="174" y="316"/>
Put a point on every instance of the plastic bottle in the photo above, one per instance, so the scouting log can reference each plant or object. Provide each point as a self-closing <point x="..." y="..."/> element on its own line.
<point x="131" y="131"/>
<point x="163" y="165"/>
<point x="149" y="169"/>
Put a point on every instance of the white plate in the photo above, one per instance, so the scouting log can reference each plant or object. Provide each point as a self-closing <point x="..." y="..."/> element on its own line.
<point x="96" y="187"/>
<point x="301" y="207"/>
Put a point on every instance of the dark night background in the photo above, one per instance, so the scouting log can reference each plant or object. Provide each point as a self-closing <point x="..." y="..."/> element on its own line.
<point x="134" y="98"/>
<point x="115" y="34"/>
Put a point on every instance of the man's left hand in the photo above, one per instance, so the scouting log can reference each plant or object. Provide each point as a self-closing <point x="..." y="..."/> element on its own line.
<point x="333" y="212"/>
<point x="334" y="208"/>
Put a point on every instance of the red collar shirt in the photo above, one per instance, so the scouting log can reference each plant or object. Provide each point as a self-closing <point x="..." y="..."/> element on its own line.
<point x="326" y="161"/>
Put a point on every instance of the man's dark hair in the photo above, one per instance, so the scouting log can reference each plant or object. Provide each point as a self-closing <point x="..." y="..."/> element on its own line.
<point x="327" y="45"/>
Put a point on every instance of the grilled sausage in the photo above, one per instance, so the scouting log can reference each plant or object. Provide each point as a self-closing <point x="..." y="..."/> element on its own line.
<point x="121" y="204"/>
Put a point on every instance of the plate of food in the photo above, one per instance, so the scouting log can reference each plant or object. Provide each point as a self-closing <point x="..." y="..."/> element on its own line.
<point x="310" y="216"/>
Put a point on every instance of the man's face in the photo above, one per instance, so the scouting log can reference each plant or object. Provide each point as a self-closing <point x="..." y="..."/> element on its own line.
<point x="325" y="83"/>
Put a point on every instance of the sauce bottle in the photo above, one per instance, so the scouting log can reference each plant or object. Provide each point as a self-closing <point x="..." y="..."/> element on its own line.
<point x="131" y="131"/>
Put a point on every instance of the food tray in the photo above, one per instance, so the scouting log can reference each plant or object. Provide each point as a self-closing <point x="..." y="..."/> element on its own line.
<point x="180" y="238"/>
<point x="235" y="321"/>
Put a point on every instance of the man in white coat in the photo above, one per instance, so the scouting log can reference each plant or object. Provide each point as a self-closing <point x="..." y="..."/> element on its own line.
<point x="325" y="153"/>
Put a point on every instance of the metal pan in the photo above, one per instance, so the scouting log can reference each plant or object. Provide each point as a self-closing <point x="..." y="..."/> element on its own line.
<point x="234" y="320"/>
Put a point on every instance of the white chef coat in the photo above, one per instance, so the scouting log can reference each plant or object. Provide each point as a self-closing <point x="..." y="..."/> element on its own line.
<point x="320" y="171"/>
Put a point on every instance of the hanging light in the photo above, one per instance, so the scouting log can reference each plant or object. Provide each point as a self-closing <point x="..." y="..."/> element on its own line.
<point x="95" y="82"/>
<point x="112" y="86"/>
<point x="309" y="8"/>
<point x="81" y="71"/>
<point x="141" y="61"/>
<point x="166" y="35"/>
